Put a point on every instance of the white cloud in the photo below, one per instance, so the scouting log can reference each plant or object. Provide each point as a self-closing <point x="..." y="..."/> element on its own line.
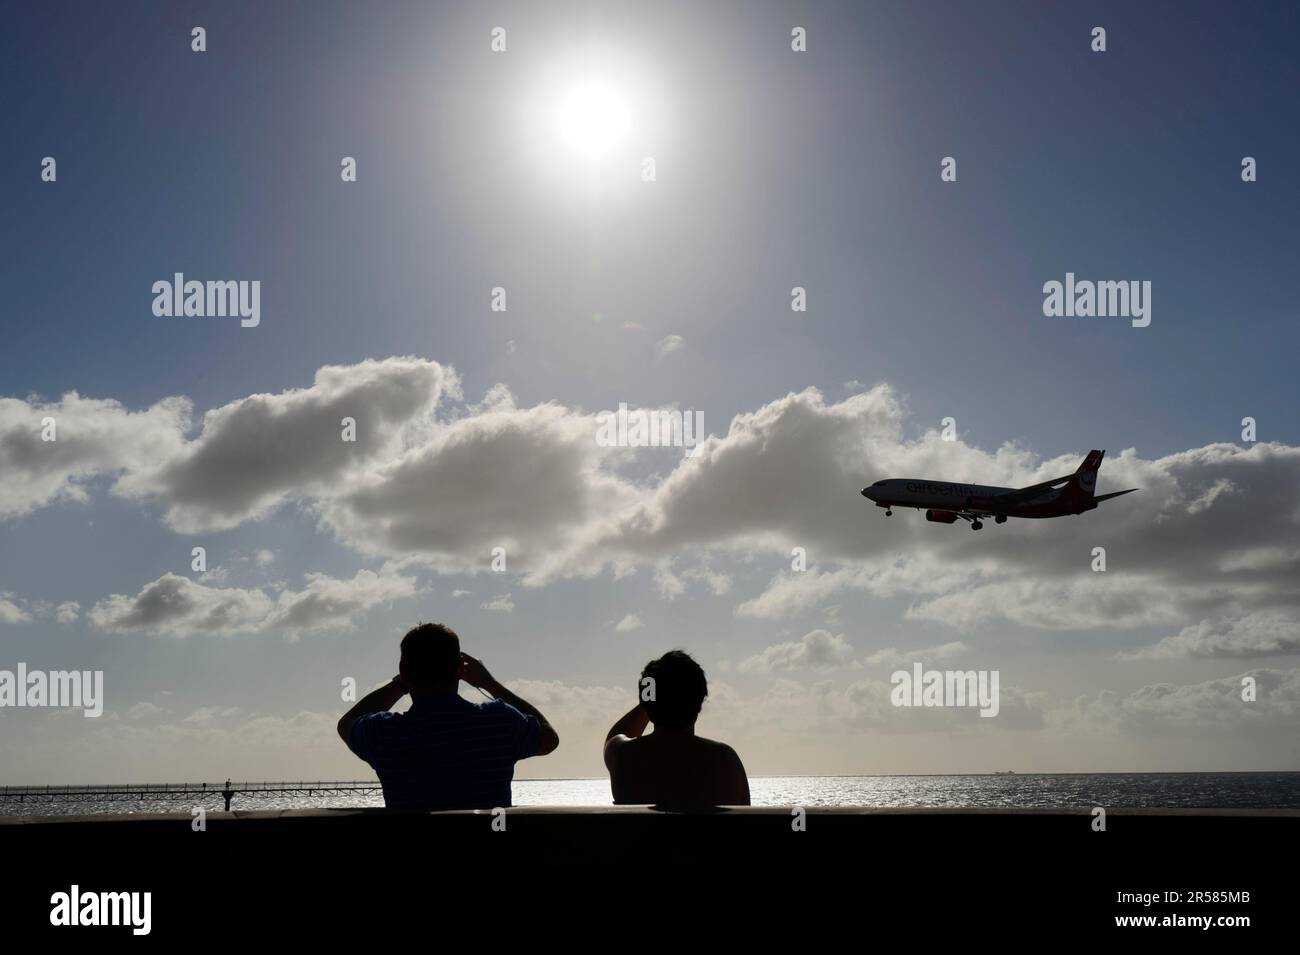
<point x="143" y="710"/>
<point x="528" y="480"/>
<point x="815" y="650"/>
<point x="253" y="453"/>
<point x="671" y="583"/>
<point x="67" y="612"/>
<point x="208" y="714"/>
<point x="1214" y="534"/>
<point x="631" y="622"/>
<point x="1213" y="707"/>
<point x="669" y="344"/>
<point x="1255" y="635"/>
<point x="177" y="606"/>
<point x="892" y="657"/>
<point x="92" y="438"/>
<point x="10" y="612"/>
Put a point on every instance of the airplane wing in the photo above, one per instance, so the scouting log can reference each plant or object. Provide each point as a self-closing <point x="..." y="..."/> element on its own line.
<point x="1028" y="493"/>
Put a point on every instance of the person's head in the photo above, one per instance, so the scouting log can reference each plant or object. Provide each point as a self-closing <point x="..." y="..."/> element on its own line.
<point x="679" y="690"/>
<point x="431" y="659"/>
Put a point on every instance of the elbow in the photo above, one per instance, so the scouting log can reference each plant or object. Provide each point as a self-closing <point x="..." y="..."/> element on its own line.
<point x="549" y="742"/>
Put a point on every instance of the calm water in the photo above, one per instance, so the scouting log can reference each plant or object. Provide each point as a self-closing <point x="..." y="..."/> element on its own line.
<point x="1112" y="790"/>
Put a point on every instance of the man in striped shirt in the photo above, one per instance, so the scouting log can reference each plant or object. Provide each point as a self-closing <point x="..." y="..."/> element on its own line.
<point x="444" y="752"/>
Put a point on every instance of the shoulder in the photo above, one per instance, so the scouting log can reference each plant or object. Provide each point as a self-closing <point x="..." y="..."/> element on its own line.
<point x="617" y="746"/>
<point x="717" y="751"/>
<point x="369" y="730"/>
<point x="374" y="720"/>
<point x="499" y="709"/>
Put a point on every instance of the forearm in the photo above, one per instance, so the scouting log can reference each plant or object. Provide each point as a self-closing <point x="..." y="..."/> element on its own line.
<point x="376" y="701"/>
<point x="515" y="700"/>
<point x="632" y="724"/>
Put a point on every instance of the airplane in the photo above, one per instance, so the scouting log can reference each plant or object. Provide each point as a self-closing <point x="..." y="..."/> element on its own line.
<point x="944" y="502"/>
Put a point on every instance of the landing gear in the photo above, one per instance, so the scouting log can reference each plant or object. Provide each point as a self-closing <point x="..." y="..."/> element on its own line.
<point x="1000" y="519"/>
<point x="976" y="525"/>
<point x="889" y="513"/>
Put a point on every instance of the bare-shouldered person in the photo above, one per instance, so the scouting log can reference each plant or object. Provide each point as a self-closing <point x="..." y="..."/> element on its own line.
<point x="672" y="765"/>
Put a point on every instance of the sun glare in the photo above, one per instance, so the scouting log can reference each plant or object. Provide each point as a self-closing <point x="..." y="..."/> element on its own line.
<point x="593" y="119"/>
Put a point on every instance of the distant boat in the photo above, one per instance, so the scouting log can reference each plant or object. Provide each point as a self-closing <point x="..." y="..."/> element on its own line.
<point x="1004" y="772"/>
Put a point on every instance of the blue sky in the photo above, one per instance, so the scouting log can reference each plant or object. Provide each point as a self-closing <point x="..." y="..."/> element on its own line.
<point x="774" y="169"/>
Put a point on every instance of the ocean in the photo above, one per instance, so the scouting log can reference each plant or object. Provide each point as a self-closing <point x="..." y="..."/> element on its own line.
<point x="1079" y="791"/>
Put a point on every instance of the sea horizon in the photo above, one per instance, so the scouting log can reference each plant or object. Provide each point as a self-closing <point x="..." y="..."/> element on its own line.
<point x="997" y="789"/>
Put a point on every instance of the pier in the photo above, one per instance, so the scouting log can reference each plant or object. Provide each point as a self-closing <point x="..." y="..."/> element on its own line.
<point x="25" y="795"/>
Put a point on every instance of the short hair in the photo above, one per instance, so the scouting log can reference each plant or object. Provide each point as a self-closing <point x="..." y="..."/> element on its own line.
<point x="680" y="689"/>
<point x="431" y="654"/>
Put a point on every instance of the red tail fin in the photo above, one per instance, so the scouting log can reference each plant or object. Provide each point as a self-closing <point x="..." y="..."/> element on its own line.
<point x="1084" y="482"/>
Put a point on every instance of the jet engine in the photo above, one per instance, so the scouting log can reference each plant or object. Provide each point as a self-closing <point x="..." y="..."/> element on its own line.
<point x="941" y="517"/>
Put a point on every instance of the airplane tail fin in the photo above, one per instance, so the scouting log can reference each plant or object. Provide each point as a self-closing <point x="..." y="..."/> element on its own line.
<point x="1084" y="483"/>
<point x="1086" y="476"/>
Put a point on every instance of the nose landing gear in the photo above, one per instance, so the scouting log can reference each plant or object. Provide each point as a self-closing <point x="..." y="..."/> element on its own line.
<point x="1000" y="519"/>
<point x="976" y="525"/>
<point x="889" y="513"/>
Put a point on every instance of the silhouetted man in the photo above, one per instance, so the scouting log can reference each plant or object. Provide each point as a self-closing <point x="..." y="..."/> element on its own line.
<point x="444" y="752"/>
<point x="672" y="765"/>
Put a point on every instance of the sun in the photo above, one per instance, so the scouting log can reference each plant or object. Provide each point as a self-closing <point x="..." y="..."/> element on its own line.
<point x="593" y="119"/>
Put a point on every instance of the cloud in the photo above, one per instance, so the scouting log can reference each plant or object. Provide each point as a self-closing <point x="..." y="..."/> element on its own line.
<point x="1215" y="707"/>
<point x="10" y="612"/>
<point x="327" y="603"/>
<point x="1255" y="635"/>
<point x="67" y="612"/>
<point x="180" y="607"/>
<point x="91" y="438"/>
<point x="208" y="714"/>
<point x="218" y="739"/>
<point x="1089" y="602"/>
<point x="669" y="344"/>
<point x="631" y="622"/>
<point x="815" y="650"/>
<point x="892" y="657"/>
<point x="143" y="710"/>
<point x="567" y="705"/>
<point x="791" y="593"/>
<point x="867" y="704"/>
<point x="530" y="481"/>
<point x="672" y="584"/>
<point x="1214" y="534"/>
<point x="253" y="453"/>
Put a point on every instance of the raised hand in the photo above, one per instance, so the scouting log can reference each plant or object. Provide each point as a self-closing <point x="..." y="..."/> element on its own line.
<point x="473" y="672"/>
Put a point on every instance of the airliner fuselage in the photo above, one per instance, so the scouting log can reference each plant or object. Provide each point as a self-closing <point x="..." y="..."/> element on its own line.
<point x="944" y="502"/>
<point x="926" y="495"/>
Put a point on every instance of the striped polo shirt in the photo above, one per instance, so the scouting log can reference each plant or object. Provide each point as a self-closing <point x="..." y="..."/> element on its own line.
<point x="446" y="752"/>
